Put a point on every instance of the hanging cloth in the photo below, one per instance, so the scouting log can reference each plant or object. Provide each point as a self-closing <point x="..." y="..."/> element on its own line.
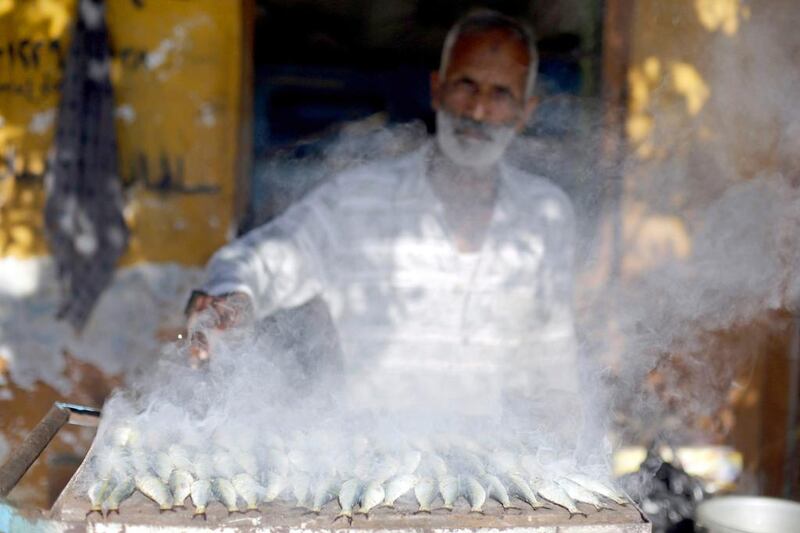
<point x="84" y="200"/>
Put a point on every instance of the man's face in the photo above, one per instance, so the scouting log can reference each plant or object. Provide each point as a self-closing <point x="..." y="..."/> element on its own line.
<point x="480" y="100"/>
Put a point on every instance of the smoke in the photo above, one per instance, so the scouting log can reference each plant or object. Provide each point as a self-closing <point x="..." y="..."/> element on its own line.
<point x="708" y="262"/>
<point x="681" y="319"/>
<point x="388" y="403"/>
<point x="270" y="396"/>
<point x="655" y="353"/>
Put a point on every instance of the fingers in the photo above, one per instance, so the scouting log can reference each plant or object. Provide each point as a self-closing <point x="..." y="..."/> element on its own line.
<point x="231" y="310"/>
<point x="198" y="349"/>
<point x="215" y="313"/>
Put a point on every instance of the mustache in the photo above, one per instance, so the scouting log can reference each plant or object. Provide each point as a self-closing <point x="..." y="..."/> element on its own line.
<point x="467" y="127"/>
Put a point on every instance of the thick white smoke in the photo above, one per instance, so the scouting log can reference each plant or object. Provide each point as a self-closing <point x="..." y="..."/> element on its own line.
<point x="264" y="389"/>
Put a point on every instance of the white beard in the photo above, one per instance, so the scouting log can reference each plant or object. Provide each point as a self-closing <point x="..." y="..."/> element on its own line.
<point x="468" y="151"/>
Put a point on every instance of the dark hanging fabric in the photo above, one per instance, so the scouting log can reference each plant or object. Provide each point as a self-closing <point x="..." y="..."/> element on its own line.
<point x="84" y="201"/>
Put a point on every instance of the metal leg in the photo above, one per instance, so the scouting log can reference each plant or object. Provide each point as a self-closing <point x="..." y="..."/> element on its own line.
<point x="34" y="444"/>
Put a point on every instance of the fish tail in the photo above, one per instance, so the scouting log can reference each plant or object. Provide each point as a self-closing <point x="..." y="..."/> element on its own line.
<point x="347" y="516"/>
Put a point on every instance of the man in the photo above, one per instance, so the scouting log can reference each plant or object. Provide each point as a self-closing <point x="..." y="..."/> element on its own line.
<point x="448" y="273"/>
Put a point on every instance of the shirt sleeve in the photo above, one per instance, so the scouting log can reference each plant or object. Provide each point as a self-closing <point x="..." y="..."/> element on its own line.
<point x="279" y="264"/>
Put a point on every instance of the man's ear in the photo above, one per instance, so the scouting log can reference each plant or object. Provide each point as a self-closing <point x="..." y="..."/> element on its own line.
<point x="435" y="89"/>
<point x="527" y="112"/>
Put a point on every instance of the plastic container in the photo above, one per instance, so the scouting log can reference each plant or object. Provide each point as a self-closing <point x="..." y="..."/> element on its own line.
<point x="748" y="514"/>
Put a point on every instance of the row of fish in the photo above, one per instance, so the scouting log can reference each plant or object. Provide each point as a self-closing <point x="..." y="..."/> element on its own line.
<point x="359" y="496"/>
<point x="356" y="495"/>
<point x="361" y="477"/>
<point x="171" y="486"/>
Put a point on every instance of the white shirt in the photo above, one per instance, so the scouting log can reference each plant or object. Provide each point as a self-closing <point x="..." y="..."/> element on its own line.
<point x="419" y="320"/>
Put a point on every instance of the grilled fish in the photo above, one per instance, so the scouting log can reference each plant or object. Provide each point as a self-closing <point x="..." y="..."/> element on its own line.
<point x="425" y="492"/>
<point x="225" y="492"/>
<point x="349" y="494"/>
<point x="324" y="491"/>
<point x="581" y="494"/>
<point x="201" y="493"/>
<point x="98" y="493"/>
<point x="248" y="489"/>
<point x="397" y="486"/>
<point x="276" y="484"/>
<point x="448" y="488"/>
<point x="180" y="483"/>
<point x="552" y="492"/>
<point x="474" y="493"/>
<point x="121" y="492"/>
<point x="301" y="485"/>
<point x="154" y="488"/>
<point x="497" y="491"/>
<point x="372" y="495"/>
<point x="597" y="487"/>
<point x="522" y="490"/>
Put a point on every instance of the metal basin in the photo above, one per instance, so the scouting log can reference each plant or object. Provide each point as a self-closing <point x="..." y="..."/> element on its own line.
<point x="748" y="514"/>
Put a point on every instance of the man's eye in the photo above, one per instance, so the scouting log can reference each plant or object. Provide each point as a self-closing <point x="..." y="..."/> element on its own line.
<point x="502" y="95"/>
<point x="465" y="86"/>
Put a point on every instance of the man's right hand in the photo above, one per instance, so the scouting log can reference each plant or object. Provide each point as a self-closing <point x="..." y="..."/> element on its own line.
<point x="205" y="312"/>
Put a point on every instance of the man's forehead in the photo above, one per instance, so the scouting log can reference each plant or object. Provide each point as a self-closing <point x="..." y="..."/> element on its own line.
<point x="489" y="45"/>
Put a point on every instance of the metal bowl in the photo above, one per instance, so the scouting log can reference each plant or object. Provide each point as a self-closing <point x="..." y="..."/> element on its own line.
<point x="748" y="514"/>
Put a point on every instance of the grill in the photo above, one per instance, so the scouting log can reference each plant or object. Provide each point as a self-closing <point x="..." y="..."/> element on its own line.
<point x="138" y="513"/>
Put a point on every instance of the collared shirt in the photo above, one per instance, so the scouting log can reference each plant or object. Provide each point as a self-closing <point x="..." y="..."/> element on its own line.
<point x="413" y="312"/>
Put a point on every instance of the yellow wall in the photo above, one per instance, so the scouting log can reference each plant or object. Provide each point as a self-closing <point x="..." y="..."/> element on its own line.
<point x="177" y="81"/>
<point x="710" y="100"/>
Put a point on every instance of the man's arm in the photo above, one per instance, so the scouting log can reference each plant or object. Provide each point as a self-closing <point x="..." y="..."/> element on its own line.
<point x="275" y="266"/>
